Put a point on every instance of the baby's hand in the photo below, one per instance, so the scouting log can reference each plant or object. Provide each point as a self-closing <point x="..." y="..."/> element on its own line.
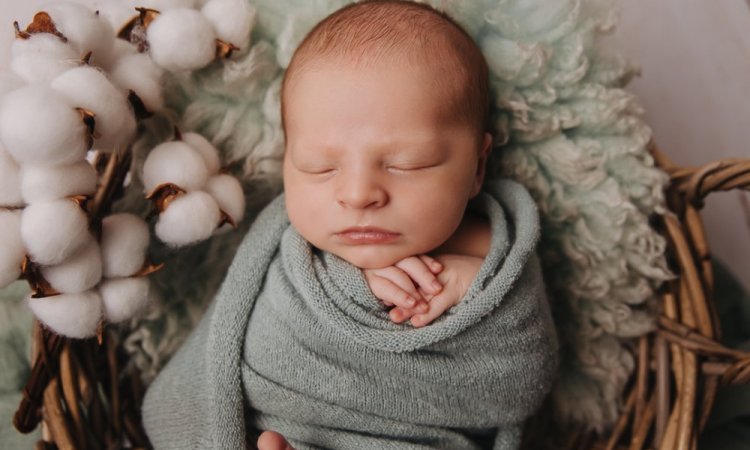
<point x="457" y="275"/>
<point x="405" y="284"/>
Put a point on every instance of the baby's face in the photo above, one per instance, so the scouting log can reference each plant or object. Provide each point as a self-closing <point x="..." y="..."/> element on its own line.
<point x="374" y="170"/>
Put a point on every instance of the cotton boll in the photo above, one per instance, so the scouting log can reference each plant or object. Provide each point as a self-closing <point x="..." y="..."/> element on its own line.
<point x="139" y="73"/>
<point x="174" y="162"/>
<point x="79" y="273"/>
<point x="9" y="81"/>
<point x="181" y="40"/>
<point x="85" y="30"/>
<point x="13" y="251"/>
<point x="39" y="183"/>
<point x="38" y="125"/>
<point x="89" y="88"/>
<point x="42" y="57"/>
<point x="232" y="20"/>
<point x="227" y="192"/>
<point x="190" y="218"/>
<point x="71" y="315"/>
<point x="10" y="180"/>
<point x="124" y="242"/>
<point x="207" y="151"/>
<point x="123" y="298"/>
<point x="53" y="231"/>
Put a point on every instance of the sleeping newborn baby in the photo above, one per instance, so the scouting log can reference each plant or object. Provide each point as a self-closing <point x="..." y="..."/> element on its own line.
<point x="390" y="298"/>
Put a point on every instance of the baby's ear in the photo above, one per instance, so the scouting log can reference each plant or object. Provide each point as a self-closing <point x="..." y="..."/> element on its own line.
<point x="484" y="153"/>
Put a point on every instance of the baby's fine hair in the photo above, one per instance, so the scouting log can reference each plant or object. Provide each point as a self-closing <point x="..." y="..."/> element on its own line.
<point x="375" y="32"/>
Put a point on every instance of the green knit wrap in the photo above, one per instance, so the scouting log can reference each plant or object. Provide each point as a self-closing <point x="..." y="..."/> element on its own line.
<point x="323" y="364"/>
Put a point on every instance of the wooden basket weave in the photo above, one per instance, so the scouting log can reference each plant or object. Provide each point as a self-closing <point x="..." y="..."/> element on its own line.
<point x="84" y="400"/>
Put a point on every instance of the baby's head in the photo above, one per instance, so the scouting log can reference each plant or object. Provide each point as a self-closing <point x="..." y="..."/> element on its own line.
<point x="385" y="107"/>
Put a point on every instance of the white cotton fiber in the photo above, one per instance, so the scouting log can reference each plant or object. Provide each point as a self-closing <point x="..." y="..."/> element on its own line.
<point x="120" y="49"/>
<point x="174" y="162"/>
<point x="188" y="219"/>
<point x="232" y="20"/>
<point x="13" y="251"/>
<point x="42" y="57"/>
<point x="117" y="13"/>
<point x="181" y="40"/>
<point x="71" y="315"/>
<point x="138" y="73"/>
<point x="165" y="5"/>
<point x="53" y="231"/>
<point x="227" y="191"/>
<point x="123" y="298"/>
<point x="80" y="272"/>
<point x="38" y="125"/>
<point x="207" y="151"/>
<point x="9" y="81"/>
<point x="39" y="183"/>
<point x="124" y="243"/>
<point x="10" y="181"/>
<point x="86" y="31"/>
<point x="88" y="87"/>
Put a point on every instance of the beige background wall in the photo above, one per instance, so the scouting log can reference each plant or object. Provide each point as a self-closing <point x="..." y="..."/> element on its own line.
<point x="695" y="86"/>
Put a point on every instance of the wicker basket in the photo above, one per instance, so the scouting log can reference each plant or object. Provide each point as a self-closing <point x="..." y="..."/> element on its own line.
<point x="84" y="400"/>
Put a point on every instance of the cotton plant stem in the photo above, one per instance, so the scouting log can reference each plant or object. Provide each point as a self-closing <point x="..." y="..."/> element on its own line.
<point x="27" y="415"/>
<point x="71" y="393"/>
<point x="55" y="416"/>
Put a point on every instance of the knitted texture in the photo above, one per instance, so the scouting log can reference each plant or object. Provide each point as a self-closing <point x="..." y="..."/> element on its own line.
<point x="323" y="364"/>
<point x="566" y="129"/>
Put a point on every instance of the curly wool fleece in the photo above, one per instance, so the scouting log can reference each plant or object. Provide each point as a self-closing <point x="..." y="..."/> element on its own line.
<point x="571" y="135"/>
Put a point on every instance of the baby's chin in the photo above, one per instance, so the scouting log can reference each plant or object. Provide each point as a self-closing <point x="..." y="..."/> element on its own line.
<point x="371" y="257"/>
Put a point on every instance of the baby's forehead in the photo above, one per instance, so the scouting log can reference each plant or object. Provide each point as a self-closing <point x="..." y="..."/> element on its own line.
<point x="370" y="34"/>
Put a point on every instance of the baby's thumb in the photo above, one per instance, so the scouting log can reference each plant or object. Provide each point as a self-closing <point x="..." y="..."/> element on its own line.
<point x="271" y="440"/>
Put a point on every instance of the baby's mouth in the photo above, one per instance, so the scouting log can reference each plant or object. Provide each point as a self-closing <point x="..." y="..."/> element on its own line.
<point x="366" y="235"/>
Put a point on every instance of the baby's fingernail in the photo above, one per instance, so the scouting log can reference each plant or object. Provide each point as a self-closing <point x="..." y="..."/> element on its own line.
<point x="410" y="302"/>
<point x="436" y="265"/>
<point x="436" y="286"/>
<point x="422" y="308"/>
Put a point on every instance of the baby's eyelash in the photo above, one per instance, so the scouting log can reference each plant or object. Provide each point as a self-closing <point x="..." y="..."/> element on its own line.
<point x="409" y="168"/>
<point x="322" y="171"/>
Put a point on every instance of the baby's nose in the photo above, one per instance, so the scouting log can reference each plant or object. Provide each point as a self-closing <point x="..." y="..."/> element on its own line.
<point x="359" y="191"/>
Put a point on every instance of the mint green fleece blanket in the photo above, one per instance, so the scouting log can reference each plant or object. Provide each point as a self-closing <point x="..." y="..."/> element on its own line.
<point x="322" y="363"/>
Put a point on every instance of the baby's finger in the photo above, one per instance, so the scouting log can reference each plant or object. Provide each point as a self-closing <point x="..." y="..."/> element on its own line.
<point x="425" y="295"/>
<point x="420" y="273"/>
<point x="399" y="278"/>
<point x="399" y="315"/>
<point x="433" y="264"/>
<point x="391" y="293"/>
<point x="438" y="305"/>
